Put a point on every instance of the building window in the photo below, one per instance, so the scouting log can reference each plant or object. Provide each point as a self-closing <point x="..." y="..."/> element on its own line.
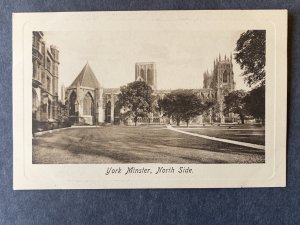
<point x="35" y="69"/>
<point x="225" y="77"/>
<point x="108" y="112"/>
<point x="73" y="98"/>
<point x="88" y="104"/>
<point x="149" y="77"/>
<point x="43" y="53"/>
<point x="142" y="74"/>
<point x="43" y="77"/>
<point x="48" y="83"/>
<point x="48" y="64"/>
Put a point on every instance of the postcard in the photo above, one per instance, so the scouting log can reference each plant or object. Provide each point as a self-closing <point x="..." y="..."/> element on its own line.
<point x="149" y="99"/>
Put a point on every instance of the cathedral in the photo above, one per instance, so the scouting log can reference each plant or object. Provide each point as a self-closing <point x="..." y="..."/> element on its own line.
<point x="146" y="72"/>
<point x="220" y="80"/>
<point x="90" y="103"/>
<point x="84" y="98"/>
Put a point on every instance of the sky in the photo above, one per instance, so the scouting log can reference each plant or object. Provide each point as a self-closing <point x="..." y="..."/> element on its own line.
<point x="182" y="54"/>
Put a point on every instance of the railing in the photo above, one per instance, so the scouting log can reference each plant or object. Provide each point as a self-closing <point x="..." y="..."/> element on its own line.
<point x="151" y="120"/>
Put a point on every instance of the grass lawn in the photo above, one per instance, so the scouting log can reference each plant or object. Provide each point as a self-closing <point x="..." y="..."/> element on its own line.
<point x="118" y="144"/>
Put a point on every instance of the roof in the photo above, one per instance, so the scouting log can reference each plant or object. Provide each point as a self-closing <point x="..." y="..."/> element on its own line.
<point x="111" y="90"/>
<point x="144" y="63"/>
<point x="86" y="78"/>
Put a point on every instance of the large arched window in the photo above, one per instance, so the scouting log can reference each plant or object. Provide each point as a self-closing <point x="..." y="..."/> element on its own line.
<point x="108" y="112"/>
<point x="142" y="74"/>
<point x="149" y="77"/>
<point x="88" y="104"/>
<point x="72" y="101"/>
<point x="225" y="77"/>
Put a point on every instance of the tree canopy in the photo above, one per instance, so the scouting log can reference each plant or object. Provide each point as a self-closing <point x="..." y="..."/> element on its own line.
<point x="251" y="56"/>
<point x="182" y="105"/>
<point x="255" y="103"/>
<point x="136" y="98"/>
<point x="234" y="103"/>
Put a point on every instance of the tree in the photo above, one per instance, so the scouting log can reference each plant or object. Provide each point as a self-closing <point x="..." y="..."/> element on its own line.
<point x="182" y="105"/>
<point x="63" y="114"/>
<point x="136" y="98"/>
<point x="251" y="56"/>
<point x="255" y="103"/>
<point x="234" y="103"/>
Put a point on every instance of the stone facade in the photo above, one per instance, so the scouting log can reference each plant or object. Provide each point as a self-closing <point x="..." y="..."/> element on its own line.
<point x="221" y="82"/>
<point x="111" y="106"/>
<point x="84" y="98"/>
<point x="90" y="103"/>
<point x="146" y="72"/>
<point x="45" y="63"/>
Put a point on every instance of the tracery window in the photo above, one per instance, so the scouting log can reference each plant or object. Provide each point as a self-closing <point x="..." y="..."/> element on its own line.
<point x="149" y="77"/>
<point x="73" y="98"/>
<point x="225" y="77"/>
<point x="142" y="73"/>
<point x="88" y="104"/>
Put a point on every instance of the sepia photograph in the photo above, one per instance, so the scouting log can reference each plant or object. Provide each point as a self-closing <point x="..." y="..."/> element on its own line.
<point x="148" y="94"/>
<point x="102" y="98"/>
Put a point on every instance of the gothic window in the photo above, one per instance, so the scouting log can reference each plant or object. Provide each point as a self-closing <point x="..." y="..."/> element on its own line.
<point x="149" y="77"/>
<point x="48" y="64"/>
<point x="72" y="101"/>
<point x="43" y="53"/>
<point x="43" y="77"/>
<point x="142" y="74"/>
<point x="108" y="112"/>
<point x="88" y="104"/>
<point x="48" y="83"/>
<point x="225" y="77"/>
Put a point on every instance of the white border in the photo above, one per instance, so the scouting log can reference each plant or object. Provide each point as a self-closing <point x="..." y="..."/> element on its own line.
<point x="91" y="176"/>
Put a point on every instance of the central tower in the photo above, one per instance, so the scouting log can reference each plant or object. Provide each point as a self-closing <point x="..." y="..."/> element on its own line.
<point x="146" y="71"/>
